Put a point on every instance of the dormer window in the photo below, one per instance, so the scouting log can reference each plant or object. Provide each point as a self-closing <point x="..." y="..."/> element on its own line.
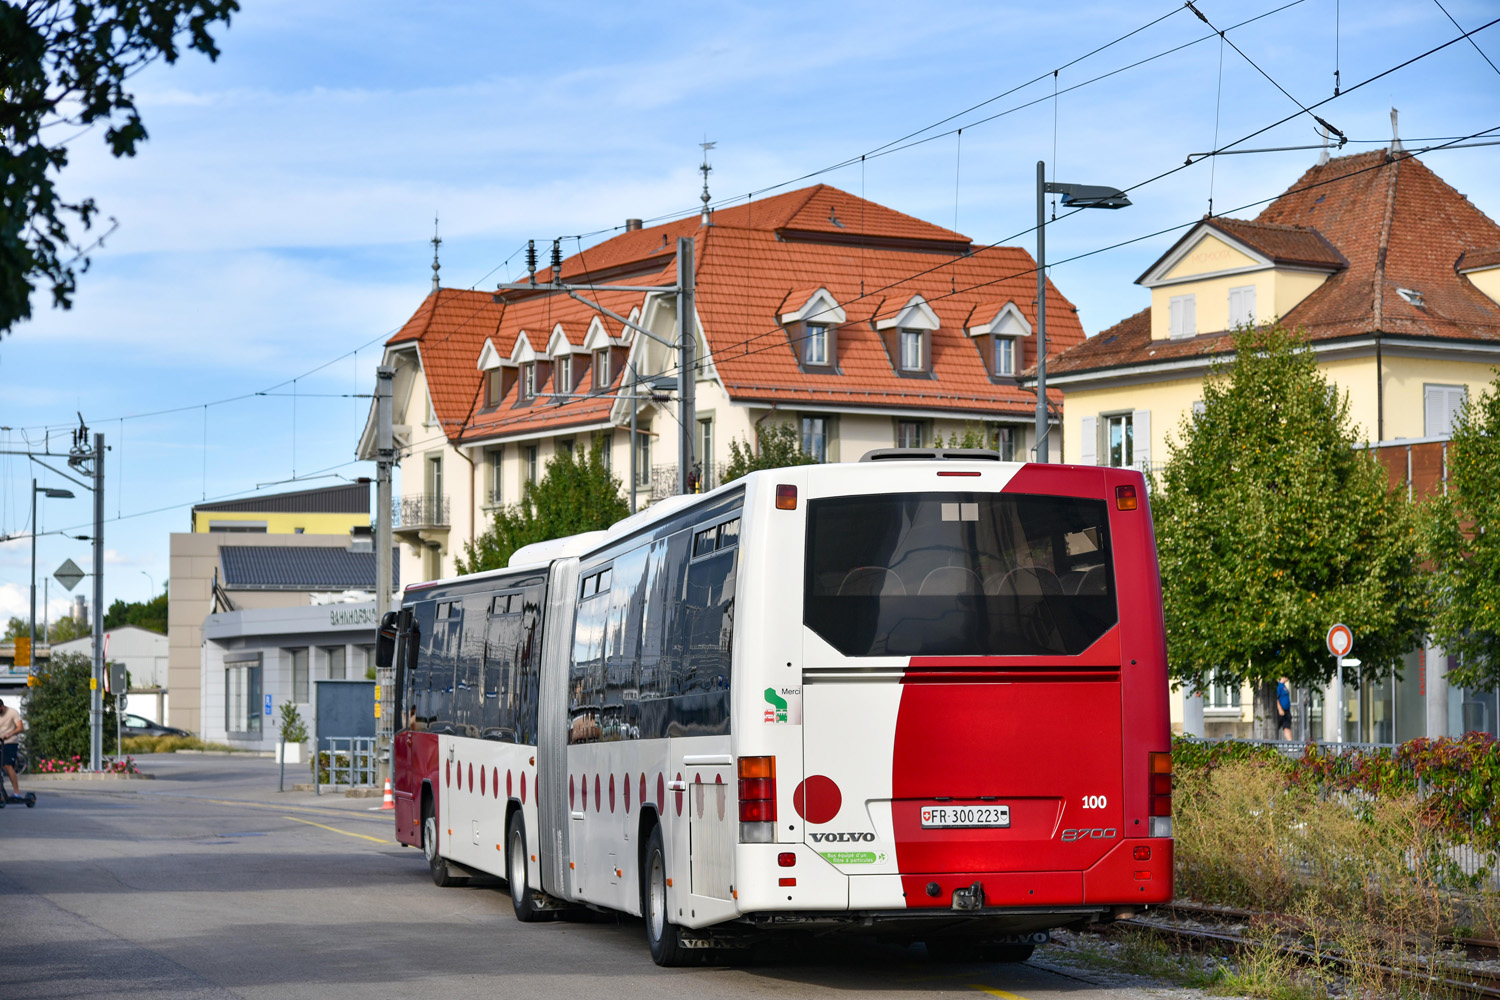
<point x="1005" y="355"/>
<point x="815" y="344"/>
<point x="492" y="388"/>
<point x="564" y="381"/>
<point x="912" y="354"/>
<point x="1411" y="295"/>
<point x="528" y="381"/>
<point x="602" y="375"/>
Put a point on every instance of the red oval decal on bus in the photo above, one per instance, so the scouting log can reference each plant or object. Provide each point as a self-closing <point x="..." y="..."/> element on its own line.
<point x="523" y="788"/>
<point x="611" y="792"/>
<point x="678" y="794"/>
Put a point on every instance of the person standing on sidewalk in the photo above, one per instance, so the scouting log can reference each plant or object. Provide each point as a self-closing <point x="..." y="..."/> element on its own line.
<point x="11" y="728"/>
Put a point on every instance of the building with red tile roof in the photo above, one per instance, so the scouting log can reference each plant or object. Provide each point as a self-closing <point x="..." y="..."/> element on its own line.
<point x="859" y="325"/>
<point x="1391" y="275"/>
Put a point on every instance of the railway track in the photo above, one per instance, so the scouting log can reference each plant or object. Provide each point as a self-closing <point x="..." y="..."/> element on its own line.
<point x="1457" y="980"/>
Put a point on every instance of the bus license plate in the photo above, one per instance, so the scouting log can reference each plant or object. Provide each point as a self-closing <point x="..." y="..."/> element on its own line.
<point x="938" y="817"/>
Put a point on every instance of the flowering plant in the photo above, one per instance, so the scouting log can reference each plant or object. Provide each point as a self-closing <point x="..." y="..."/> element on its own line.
<point x="76" y="765"/>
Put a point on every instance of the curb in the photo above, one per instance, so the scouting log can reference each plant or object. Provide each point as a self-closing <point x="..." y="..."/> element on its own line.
<point x="44" y="776"/>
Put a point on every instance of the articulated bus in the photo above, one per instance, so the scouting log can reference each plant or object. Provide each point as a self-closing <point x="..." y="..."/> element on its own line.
<point x="922" y="696"/>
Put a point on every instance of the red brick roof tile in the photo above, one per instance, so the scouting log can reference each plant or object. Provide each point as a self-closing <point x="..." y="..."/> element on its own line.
<point x="749" y="261"/>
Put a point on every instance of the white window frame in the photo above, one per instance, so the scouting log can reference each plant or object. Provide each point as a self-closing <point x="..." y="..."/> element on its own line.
<point x="1441" y="404"/>
<point x="911" y="359"/>
<point x="602" y="376"/>
<point x="815" y="344"/>
<point x="1007" y="352"/>
<point x="528" y="381"/>
<point x="815" y="433"/>
<point x="909" y="433"/>
<point x="564" y="380"/>
<point x="642" y="444"/>
<point x="495" y="457"/>
<point x="1182" y="319"/>
<point x="533" y="459"/>
<point x="1126" y="422"/>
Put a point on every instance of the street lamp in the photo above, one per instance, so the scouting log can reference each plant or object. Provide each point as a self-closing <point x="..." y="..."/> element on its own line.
<point x="1074" y="196"/>
<point x="56" y="494"/>
<point x="152" y="581"/>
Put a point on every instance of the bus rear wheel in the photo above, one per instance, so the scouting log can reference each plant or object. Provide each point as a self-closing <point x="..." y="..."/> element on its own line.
<point x="515" y="872"/>
<point x="661" y="934"/>
<point x="442" y="872"/>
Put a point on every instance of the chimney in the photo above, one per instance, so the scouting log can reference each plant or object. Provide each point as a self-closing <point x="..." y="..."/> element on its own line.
<point x="361" y="538"/>
<point x="632" y="225"/>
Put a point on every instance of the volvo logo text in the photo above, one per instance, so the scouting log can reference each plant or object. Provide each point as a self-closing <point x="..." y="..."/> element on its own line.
<point x="841" y="838"/>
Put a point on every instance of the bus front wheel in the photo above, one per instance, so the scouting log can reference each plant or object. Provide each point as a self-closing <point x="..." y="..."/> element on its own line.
<point x="661" y="934"/>
<point x="442" y="873"/>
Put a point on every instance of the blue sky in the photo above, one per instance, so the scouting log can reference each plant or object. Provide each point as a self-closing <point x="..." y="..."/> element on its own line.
<point x="277" y="218"/>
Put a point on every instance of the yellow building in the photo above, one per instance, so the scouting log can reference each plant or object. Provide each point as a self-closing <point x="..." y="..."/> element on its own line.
<point x="1394" y="279"/>
<point x="327" y="510"/>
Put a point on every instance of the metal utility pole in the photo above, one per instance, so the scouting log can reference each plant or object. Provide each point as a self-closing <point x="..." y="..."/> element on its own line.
<point x="1074" y="196"/>
<point x="32" y="655"/>
<point x="1041" y="313"/>
<point x="687" y="375"/>
<point x="96" y="702"/>
<point x="385" y="458"/>
<point x="634" y="444"/>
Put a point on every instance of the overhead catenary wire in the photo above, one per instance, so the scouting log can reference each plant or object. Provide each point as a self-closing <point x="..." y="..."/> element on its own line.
<point x="1460" y="27"/>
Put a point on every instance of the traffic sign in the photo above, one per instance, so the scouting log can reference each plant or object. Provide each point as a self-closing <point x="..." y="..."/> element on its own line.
<point x="1340" y="640"/>
<point x="68" y="574"/>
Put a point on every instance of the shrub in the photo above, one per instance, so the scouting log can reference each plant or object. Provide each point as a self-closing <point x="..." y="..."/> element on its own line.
<point x="57" y="711"/>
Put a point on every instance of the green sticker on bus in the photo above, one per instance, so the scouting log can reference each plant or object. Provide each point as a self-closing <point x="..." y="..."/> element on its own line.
<point x="852" y="857"/>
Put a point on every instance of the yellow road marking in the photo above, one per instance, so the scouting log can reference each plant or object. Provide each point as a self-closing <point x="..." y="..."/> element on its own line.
<point x="334" y="829"/>
<point x="1002" y="994"/>
<point x="315" y="810"/>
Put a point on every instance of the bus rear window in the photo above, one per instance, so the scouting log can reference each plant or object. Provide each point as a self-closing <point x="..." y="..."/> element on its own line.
<point x="958" y="574"/>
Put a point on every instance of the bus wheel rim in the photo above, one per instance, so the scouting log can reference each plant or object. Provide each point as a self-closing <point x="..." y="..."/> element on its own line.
<point x="658" y="898"/>
<point x="429" y="841"/>
<point x="517" y="867"/>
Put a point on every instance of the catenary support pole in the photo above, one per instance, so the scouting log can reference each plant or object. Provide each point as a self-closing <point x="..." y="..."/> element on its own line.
<point x="687" y="376"/>
<point x="385" y="458"/>
<point x="1041" y="313"/>
<point x="32" y="667"/>
<point x="634" y="442"/>
<point x="96" y="701"/>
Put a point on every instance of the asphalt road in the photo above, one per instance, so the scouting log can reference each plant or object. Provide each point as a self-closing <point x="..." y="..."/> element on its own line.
<point x="208" y="883"/>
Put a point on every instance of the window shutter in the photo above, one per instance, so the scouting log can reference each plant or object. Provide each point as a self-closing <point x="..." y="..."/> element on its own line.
<point x="1456" y="396"/>
<point x="1088" y="439"/>
<point x="1441" y="405"/>
<point x="1141" y="446"/>
<point x="1189" y="315"/>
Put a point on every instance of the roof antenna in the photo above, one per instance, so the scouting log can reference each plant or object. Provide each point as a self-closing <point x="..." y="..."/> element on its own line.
<point x="436" y="241"/>
<point x="707" y="218"/>
<point x="1396" y="146"/>
<point x="1323" y="156"/>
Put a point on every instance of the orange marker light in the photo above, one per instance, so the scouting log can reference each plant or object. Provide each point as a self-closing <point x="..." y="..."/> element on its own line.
<point x="1125" y="497"/>
<point x="786" y="497"/>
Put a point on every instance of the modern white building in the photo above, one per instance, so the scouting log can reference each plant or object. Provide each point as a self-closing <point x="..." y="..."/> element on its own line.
<point x="258" y="659"/>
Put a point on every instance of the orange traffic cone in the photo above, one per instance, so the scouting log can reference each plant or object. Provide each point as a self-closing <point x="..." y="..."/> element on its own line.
<point x="389" y="802"/>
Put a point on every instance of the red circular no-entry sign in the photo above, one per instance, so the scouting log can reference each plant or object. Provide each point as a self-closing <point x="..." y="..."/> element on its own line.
<point x="1340" y="640"/>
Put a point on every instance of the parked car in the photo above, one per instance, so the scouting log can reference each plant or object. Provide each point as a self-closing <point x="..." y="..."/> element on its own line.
<point x="137" y="725"/>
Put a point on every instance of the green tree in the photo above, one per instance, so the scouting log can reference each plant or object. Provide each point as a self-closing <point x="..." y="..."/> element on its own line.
<point x="973" y="437"/>
<point x="575" y="494"/>
<point x="1462" y="536"/>
<point x="778" y="446"/>
<point x="1272" y="526"/>
<point x="67" y="627"/>
<point x="150" y="614"/>
<point x="17" y="627"/>
<point x="57" y="710"/>
<point x="65" y="67"/>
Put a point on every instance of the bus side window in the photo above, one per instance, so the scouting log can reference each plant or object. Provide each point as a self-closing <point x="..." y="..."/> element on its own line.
<point x="469" y="717"/>
<point x="499" y="673"/>
<point x="420" y="702"/>
<point x="527" y="666"/>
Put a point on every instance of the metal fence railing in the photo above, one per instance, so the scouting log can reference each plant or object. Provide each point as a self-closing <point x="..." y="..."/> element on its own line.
<point x="346" y="762"/>
<point x="424" y="510"/>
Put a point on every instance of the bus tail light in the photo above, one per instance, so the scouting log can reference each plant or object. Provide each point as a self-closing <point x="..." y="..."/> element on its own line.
<point x="757" y="799"/>
<point x="786" y="497"/>
<point x="1125" y="498"/>
<point x="1160" y="794"/>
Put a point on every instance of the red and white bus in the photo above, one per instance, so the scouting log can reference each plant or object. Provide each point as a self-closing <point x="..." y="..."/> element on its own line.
<point x="923" y="695"/>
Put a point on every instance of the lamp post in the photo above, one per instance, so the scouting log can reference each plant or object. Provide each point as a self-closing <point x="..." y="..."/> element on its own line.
<point x="1074" y="196"/>
<point x="56" y="494"/>
<point x="152" y="581"/>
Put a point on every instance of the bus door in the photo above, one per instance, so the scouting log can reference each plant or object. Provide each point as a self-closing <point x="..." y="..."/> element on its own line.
<point x="962" y="712"/>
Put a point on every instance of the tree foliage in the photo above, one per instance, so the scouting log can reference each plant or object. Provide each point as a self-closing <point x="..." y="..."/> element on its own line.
<point x="65" y="68"/>
<point x="150" y="614"/>
<point x="1462" y="536"/>
<point x="1271" y="527"/>
<point x="779" y="446"/>
<point x="64" y="628"/>
<point x="57" y="711"/>
<point x="575" y="494"/>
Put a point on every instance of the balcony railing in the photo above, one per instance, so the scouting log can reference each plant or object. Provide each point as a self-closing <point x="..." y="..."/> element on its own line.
<point x="424" y="510"/>
<point x="664" y="479"/>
